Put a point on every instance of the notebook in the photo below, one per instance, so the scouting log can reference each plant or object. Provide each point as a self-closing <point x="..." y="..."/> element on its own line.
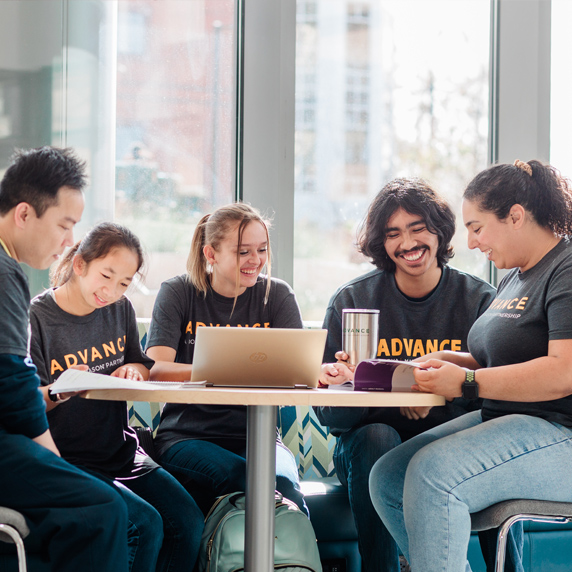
<point x="258" y="357"/>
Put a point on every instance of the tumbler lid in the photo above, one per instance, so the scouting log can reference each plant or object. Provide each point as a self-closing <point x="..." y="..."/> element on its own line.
<point x="359" y="311"/>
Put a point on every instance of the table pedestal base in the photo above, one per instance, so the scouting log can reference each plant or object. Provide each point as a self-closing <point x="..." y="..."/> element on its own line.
<point x="260" y="486"/>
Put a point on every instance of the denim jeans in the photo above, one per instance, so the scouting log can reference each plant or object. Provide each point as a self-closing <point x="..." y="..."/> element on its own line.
<point x="356" y="452"/>
<point x="211" y="469"/>
<point x="425" y="489"/>
<point x="77" y="521"/>
<point x="165" y="523"/>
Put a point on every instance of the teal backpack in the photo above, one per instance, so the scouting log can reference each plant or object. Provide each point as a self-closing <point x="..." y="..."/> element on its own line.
<point x="222" y="544"/>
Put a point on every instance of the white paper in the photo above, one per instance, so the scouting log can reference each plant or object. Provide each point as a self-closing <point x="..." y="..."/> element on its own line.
<point x="346" y="386"/>
<point x="75" y="380"/>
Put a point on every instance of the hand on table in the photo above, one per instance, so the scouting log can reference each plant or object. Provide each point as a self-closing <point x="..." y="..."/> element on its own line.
<point x="339" y="372"/>
<point x="335" y="373"/>
<point x="128" y="372"/>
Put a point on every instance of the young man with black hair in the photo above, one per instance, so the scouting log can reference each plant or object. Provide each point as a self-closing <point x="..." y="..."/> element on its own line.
<point x="425" y="306"/>
<point x="77" y="521"/>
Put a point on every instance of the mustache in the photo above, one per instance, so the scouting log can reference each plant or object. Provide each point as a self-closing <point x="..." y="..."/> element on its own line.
<point x="416" y="249"/>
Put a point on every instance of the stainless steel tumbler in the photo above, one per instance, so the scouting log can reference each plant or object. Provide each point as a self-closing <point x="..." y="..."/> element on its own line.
<point x="359" y="334"/>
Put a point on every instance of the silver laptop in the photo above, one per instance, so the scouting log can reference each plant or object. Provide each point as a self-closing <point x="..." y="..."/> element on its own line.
<point x="258" y="357"/>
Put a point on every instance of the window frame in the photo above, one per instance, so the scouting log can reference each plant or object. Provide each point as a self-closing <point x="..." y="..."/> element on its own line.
<point x="519" y="126"/>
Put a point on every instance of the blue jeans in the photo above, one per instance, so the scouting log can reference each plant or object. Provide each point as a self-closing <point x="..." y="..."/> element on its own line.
<point x="425" y="489"/>
<point x="165" y="523"/>
<point x="208" y="469"/>
<point x="77" y="521"/>
<point x="356" y="453"/>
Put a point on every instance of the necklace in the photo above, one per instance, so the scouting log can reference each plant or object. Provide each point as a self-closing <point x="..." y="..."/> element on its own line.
<point x="5" y="248"/>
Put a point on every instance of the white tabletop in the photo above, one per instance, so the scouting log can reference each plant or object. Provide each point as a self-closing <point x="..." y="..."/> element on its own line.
<point x="252" y="396"/>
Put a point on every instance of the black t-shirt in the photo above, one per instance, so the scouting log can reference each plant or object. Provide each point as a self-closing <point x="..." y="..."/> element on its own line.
<point x="22" y="408"/>
<point x="91" y="433"/>
<point x="531" y="308"/>
<point x="408" y="328"/>
<point x="179" y="310"/>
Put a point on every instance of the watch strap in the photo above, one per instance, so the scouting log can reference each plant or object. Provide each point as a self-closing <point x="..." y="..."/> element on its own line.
<point x="55" y="397"/>
<point x="470" y="387"/>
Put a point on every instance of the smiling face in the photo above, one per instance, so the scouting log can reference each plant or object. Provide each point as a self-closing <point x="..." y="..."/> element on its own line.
<point x="104" y="280"/>
<point x="489" y="234"/>
<point x="45" y="238"/>
<point x="247" y="259"/>
<point x="411" y="246"/>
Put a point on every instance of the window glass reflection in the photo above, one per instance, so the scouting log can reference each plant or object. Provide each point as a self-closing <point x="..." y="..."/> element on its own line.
<point x="175" y="117"/>
<point x="384" y="88"/>
<point x="561" y="87"/>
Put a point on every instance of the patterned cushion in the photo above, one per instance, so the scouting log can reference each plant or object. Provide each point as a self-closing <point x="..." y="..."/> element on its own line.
<point x="143" y="414"/>
<point x="311" y="444"/>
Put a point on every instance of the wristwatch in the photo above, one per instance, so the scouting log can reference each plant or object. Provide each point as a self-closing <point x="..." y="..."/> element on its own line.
<point x="470" y="389"/>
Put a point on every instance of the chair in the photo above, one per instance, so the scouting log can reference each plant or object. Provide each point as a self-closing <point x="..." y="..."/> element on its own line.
<point x="13" y="529"/>
<point x="504" y="514"/>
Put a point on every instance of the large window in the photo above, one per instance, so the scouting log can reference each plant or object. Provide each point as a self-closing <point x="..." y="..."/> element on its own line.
<point x="384" y="88"/>
<point x="56" y="88"/>
<point x="561" y="87"/>
<point x="174" y="126"/>
<point x="146" y="92"/>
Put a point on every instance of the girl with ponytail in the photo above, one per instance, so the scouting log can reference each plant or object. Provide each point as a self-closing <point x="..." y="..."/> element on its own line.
<point x="85" y="321"/>
<point x="205" y="445"/>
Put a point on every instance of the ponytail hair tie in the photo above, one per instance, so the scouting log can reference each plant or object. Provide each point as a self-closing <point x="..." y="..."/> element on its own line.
<point x="523" y="167"/>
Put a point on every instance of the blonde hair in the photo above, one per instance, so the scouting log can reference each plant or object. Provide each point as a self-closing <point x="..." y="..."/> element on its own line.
<point x="212" y="230"/>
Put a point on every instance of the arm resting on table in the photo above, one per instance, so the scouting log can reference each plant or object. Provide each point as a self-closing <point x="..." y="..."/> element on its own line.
<point x="165" y="368"/>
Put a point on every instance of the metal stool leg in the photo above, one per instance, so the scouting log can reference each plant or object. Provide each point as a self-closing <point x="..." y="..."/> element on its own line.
<point x="17" y="539"/>
<point x="505" y="527"/>
<point x="502" y="539"/>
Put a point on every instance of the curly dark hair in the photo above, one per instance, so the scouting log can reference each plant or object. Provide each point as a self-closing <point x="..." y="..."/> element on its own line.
<point x="416" y="197"/>
<point x="539" y="188"/>
<point x="36" y="175"/>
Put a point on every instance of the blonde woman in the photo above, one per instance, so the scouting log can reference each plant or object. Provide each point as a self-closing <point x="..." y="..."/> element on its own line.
<point x="205" y="445"/>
